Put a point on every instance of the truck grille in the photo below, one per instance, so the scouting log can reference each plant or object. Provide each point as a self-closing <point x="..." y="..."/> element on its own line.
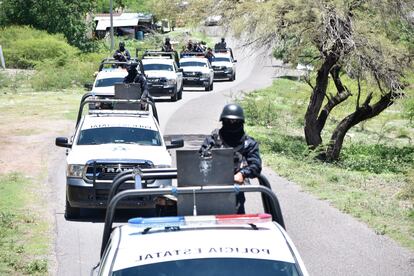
<point x="192" y="74"/>
<point x="108" y="170"/>
<point x="156" y="80"/>
<point x="217" y="68"/>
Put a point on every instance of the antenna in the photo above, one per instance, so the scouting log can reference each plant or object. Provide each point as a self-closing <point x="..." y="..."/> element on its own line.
<point x="195" y="205"/>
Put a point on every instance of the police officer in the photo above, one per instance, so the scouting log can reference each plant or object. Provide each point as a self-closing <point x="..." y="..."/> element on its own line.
<point x="167" y="47"/>
<point x="209" y="55"/>
<point x="222" y="45"/>
<point x="247" y="161"/>
<point x="136" y="77"/>
<point x="122" y="54"/>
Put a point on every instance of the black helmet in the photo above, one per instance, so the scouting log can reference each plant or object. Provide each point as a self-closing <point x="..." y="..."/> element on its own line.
<point x="222" y="39"/>
<point x="232" y="111"/>
<point x="122" y="46"/>
<point x="167" y="39"/>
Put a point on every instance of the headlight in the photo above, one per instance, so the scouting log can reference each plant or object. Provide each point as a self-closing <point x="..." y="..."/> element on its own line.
<point x="228" y="69"/>
<point x="171" y="82"/>
<point x="75" y="171"/>
<point x="206" y="75"/>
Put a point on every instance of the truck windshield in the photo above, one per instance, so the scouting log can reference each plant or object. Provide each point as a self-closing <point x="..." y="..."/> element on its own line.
<point x="158" y="67"/>
<point x="108" y="82"/>
<point x="122" y="135"/>
<point x="214" y="266"/>
<point x="221" y="59"/>
<point x="192" y="63"/>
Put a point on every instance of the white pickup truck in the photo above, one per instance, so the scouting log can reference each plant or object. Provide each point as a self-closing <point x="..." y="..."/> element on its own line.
<point x="224" y="66"/>
<point x="197" y="72"/>
<point x="105" y="143"/>
<point x="164" y="77"/>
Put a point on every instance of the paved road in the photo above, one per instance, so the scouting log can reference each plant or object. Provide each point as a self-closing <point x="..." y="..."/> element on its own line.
<point x="331" y="243"/>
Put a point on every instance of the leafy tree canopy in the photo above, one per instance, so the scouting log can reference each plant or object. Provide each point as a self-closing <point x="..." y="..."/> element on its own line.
<point x="58" y="16"/>
<point x="369" y="40"/>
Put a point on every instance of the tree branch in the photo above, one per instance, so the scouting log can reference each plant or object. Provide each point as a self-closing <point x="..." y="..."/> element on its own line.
<point x="359" y="92"/>
<point x="343" y="93"/>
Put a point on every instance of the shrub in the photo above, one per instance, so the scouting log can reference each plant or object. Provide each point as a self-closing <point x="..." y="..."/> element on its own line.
<point x="73" y="74"/>
<point x="25" y="47"/>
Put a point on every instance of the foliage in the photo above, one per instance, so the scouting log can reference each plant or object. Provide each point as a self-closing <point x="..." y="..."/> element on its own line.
<point x="58" y="16"/>
<point x="102" y="6"/>
<point x="24" y="47"/>
<point x="373" y="181"/>
<point x="369" y="42"/>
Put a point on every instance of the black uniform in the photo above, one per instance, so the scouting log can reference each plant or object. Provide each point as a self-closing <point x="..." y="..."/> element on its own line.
<point x="122" y="55"/>
<point x="135" y="77"/>
<point x="247" y="159"/>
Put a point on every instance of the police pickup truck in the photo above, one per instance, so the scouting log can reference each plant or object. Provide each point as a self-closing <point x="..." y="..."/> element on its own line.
<point x="110" y="72"/>
<point x="198" y="245"/>
<point x="106" y="142"/>
<point x="163" y="75"/>
<point x="224" y="65"/>
<point x="197" y="71"/>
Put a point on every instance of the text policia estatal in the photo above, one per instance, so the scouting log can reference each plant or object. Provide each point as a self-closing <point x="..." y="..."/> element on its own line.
<point x="234" y="251"/>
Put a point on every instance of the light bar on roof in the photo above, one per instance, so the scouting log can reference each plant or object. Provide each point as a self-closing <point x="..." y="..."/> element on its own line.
<point x="199" y="220"/>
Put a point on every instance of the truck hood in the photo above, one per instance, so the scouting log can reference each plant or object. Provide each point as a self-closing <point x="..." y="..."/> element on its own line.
<point x="108" y="90"/>
<point x="156" y="154"/>
<point x="222" y="63"/>
<point x="196" y="69"/>
<point x="161" y="74"/>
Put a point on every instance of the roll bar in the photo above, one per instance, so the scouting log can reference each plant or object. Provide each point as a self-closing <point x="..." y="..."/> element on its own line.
<point x="154" y="53"/>
<point x="112" y="61"/>
<point x="85" y="100"/>
<point x="270" y="201"/>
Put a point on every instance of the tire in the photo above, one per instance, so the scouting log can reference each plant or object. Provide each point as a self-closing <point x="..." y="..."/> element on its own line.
<point x="175" y="97"/>
<point x="71" y="212"/>
<point x="207" y="88"/>
<point x="212" y="86"/>
<point x="233" y="78"/>
<point x="180" y="93"/>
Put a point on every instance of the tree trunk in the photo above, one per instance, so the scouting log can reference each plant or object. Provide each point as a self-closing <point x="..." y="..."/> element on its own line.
<point x="361" y="114"/>
<point x="312" y="127"/>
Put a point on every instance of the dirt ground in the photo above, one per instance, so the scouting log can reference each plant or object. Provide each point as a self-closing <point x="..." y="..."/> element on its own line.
<point x="25" y="147"/>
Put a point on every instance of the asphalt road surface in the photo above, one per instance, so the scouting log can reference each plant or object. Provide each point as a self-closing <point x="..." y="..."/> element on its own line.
<point x="330" y="243"/>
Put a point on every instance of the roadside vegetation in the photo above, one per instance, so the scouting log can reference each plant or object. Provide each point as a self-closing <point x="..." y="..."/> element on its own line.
<point x="24" y="245"/>
<point x="45" y="75"/>
<point x="374" y="178"/>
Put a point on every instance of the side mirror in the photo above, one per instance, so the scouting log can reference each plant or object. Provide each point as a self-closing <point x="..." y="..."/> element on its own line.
<point x="88" y="86"/>
<point x="235" y="60"/>
<point x="181" y="70"/>
<point x="175" y="143"/>
<point x="62" y="142"/>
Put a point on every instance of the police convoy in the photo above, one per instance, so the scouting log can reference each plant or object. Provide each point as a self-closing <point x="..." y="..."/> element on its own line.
<point x="118" y="158"/>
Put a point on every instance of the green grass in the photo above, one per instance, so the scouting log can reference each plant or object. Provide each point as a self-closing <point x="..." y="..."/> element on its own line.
<point x="374" y="179"/>
<point x="44" y="105"/>
<point x="23" y="232"/>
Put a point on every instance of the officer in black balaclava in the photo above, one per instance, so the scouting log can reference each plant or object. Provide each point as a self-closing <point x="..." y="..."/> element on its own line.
<point x="247" y="161"/>
<point x="136" y="77"/>
<point x="122" y="54"/>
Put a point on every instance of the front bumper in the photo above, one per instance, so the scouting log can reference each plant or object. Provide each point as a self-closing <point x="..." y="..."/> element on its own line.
<point x="196" y="81"/>
<point x="81" y="194"/>
<point x="220" y="74"/>
<point x="159" y="90"/>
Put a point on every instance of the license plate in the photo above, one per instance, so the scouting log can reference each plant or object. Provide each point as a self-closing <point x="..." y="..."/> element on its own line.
<point x="191" y="78"/>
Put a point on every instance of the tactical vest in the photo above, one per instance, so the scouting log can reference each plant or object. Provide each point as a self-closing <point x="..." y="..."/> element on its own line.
<point x="239" y="160"/>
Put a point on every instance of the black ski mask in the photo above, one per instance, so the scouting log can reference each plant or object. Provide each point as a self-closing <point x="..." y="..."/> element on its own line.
<point x="232" y="132"/>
